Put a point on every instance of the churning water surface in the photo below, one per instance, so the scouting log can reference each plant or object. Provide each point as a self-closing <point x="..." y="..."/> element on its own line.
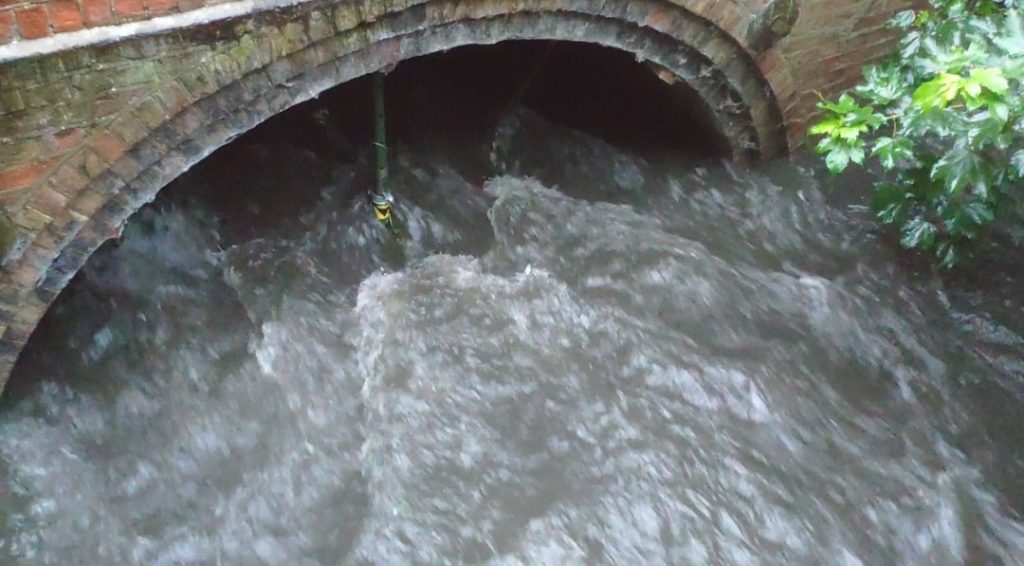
<point x="594" y="358"/>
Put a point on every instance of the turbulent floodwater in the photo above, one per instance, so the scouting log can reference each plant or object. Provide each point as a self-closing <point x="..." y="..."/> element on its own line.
<point x="655" y="363"/>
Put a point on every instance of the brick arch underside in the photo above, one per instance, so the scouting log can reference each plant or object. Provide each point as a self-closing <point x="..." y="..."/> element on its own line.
<point x="690" y="49"/>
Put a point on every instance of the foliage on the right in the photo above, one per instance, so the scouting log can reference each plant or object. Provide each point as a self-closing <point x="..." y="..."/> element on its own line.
<point x="944" y="118"/>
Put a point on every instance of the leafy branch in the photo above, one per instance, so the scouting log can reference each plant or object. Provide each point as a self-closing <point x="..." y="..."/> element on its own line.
<point x="944" y="119"/>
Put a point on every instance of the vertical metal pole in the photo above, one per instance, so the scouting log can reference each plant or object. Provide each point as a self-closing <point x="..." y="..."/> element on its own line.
<point x="381" y="199"/>
<point x="381" y="135"/>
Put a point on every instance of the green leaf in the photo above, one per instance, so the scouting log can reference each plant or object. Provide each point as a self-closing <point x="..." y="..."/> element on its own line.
<point x="985" y="127"/>
<point x="903" y="20"/>
<point x="938" y="92"/>
<point x="857" y="154"/>
<point x="886" y="195"/>
<point x="1017" y="161"/>
<point x="844" y="105"/>
<point x="917" y="233"/>
<point x="890" y="151"/>
<point x="826" y="127"/>
<point x="978" y="212"/>
<point x="850" y="133"/>
<point x="910" y="45"/>
<point x="1011" y="40"/>
<point x="990" y="78"/>
<point x="947" y="254"/>
<point x="840" y="153"/>
<point x="960" y="168"/>
<point x="882" y="84"/>
<point x="890" y="213"/>
<point x="837" y="160"/>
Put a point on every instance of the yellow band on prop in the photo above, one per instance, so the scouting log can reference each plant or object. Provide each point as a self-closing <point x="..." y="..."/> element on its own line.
<point x="383" y="213"/>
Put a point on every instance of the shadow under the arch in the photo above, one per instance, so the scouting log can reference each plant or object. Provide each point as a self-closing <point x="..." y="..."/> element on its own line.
<point x="454" y="101"/>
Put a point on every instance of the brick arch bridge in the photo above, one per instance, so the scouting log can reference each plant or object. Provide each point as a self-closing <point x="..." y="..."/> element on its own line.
<point x="103" y="102"/>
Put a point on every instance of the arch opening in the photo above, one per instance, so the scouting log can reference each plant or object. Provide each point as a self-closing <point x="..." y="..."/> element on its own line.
<point x="740" y="107"/>
<point x="274" y="173"/>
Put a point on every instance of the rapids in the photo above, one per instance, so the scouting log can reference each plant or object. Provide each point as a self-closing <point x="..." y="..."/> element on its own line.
<point x="595" y="357"/>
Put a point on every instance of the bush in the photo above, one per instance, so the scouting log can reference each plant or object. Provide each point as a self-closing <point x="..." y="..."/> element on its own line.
<point x="945" y="118"/>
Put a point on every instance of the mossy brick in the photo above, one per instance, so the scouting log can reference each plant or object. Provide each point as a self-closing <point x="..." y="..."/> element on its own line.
<point x="94" y="164"/>
<point x="319" y="26"/>
<point x="107" y="184"/>
<point x="52" y="237"/>
<point x="165" y="137"/>
<point x="150" y="112"/>
<point x="246" y="53"/>
<point x="48" y="95"/>
<point x="136" y="74"/>
<point x="147" y="153"/>
<point x="11" y="101"/>
<point x="201" y="82"/>
<point x="75" y="59"/>
<point x="346" y="16"/>
<point x="111" y="104"/>
<point x="308" y="58"/>
<point x="255" y="83"/>
<point x="129" y="128"/>
<point x="94" y="83"/>
<point x="48" y="201"/>
<point x="21" y="72"/>
<point x="373" y="9"/>
<point x="31" y="219"/>
<point x="188" y="121"/>
<point x="126" y="168"/>
<point x="143" y="187"/>
<point x="281" y="70"/>
<point x="14" y="199"/>
<point x="174" y="97"/>
<point x="51" y="68"/>
<point x="226" y="69"/>
<point x="70" y="177"/>
<point x="17" y="151"/>
<point x="295" y="35"/>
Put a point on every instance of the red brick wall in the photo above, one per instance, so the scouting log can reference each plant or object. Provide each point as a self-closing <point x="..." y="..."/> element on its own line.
<point x="34" y="19"/>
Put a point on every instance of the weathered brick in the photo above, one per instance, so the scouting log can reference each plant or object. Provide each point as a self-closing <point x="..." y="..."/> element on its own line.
<point x="64" y="141"/>
<point x="151" y="113"/>
<point x="319" y="26"/>
<point x="94" y="164"/>
<point x="188" y="121"/>
<point x="89" y="202"/>
<point x="185" y="5"/>
<point x="126" y="168"/>
<point x="7" y="27"/>
<point x="97" y="12"/>
<point x="32" y="220"/>
<point x="25" y="174"/>
<point x="109" y="146"/>
<point x="200" y="82"/>
<point x="161" y="6"/>
<point x="13" y="200"/>
<point x="129" y="128"/>
<point x="33" y="22"/>
<point x="174" y="97"/>
<point x="17" y="151"/>
<point x="11" y="101"/>
<point x="70" y="178"/>
<point x="65" y="15"/>
<point x="129" y="7"/>
<point x="48" y="201"/>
